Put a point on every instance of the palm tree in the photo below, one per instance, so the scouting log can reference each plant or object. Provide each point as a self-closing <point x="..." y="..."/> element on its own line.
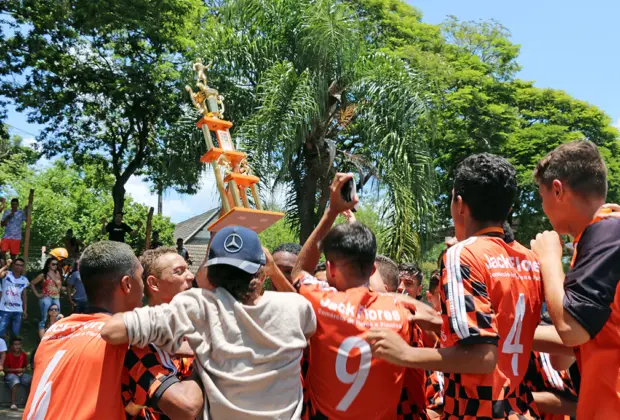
<point x="311" y="95"/>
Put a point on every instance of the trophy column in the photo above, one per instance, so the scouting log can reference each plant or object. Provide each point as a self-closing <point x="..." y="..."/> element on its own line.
<point x="234" y="184"/>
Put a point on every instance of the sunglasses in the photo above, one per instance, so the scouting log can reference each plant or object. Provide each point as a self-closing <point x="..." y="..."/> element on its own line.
<point x="52" y="310"/>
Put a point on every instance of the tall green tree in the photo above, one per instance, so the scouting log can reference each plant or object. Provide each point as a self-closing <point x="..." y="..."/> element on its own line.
<point x="548" y="118"/>
<point x="103" y="77"/>
<point x="72" y="197"/>
<point x="310" y="95"/>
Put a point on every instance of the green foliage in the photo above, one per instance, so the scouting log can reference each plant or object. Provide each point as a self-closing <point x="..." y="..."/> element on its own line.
<point x="276" y="234"/>
<point x="103" y="77"/>
<point x="311" y="94"/>
<point x="548" y="118"/>
<point x="70" y="197"/>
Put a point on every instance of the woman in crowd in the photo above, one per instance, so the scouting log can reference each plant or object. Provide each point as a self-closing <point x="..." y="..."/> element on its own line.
<point x="53" y="315"/>
<point x="50" y="288"/>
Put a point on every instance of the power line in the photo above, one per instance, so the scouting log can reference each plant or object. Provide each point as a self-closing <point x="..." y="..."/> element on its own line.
<point x="19" y="129"/>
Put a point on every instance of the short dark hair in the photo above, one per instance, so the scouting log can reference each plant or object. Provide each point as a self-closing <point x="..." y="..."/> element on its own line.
<point x="19" y="259"/>
<point x="433" y="282"/>
<point x="15" y="200"/>
<point x="15" y="340"/>
<point x="291" y="247"/>
<point x="354" y="243"/>
<point x="149" y="258"/>
<point x="102" y="265"/>
<point x="320" y="267"/>
<point x="579" y="164"/>
<point x="488" y="185"/>
<point x="411" y="270"/>
<point x="388" y="270"/>
<point x="234" y="280"/>
<point x="509" y="235"/>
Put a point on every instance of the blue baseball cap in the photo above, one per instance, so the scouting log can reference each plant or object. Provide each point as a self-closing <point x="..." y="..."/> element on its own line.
<point x="237" y="246"/>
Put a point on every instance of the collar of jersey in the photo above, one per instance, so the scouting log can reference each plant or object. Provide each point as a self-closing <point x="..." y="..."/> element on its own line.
<point x="490" y="231"/>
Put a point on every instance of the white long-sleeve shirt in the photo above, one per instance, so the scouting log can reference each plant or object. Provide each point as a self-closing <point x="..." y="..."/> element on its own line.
<point x="248" y="357"/>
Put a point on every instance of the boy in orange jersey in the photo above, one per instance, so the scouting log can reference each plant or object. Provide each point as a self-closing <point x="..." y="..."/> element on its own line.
<point x="344" y="381"/>
<point x="77" y="374"/>
<point x="491" y="297"/>
<point x="585" y="304"/>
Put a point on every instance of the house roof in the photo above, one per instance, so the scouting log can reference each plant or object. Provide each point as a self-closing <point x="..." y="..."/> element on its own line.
<point x="190" y="227"/>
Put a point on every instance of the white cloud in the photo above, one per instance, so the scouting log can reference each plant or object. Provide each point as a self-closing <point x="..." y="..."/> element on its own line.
<point x="178" y="207"/>
<point x="29" y="142"/>
<point x="617" y="124"/>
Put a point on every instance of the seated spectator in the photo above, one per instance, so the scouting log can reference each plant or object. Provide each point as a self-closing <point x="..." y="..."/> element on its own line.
<point x="248" y="346"/>
<point x="53" y="315"/>
<point x="76" y="290"/>
<point x="2" y="353"/>
<point x="285" y="257"/>
<point x="15" y="365"/>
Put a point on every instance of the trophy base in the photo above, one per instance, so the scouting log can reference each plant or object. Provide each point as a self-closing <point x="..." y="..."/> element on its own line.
<point x="257" y="220"/>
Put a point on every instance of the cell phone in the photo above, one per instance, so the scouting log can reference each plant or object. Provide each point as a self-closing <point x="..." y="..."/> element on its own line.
<point x="348" y="191"/>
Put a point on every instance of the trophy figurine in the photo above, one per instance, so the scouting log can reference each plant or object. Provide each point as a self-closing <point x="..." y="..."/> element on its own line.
<point x="232" y="172"/>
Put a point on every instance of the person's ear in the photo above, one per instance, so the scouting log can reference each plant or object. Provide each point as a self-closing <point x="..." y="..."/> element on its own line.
<point x="330" y="269"/>
<point x="460" y="206"/>
<point x="126" y="284"/>
<point x="559" y="192"/>
<point x="152" y="283"/>
<point x="429" y="296"/>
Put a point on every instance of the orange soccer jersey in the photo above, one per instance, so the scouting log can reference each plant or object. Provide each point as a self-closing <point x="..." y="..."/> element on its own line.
<point x="542" y="377"/>
<point x="344" y="381"/>
<point x="592" y="297"/>
<point x="77" y="375"/>
<point x="491" y="293"/>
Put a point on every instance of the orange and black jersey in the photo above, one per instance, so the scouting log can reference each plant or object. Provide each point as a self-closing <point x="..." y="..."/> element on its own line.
<point x="592" y="297"/>
<point x="148" y="372"/>
<point x="542" y="377"/>
<point x="491" y="293"/>
<point x="343" y="380"/>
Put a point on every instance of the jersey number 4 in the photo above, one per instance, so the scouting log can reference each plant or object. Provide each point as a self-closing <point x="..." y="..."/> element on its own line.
<point x="512" y="344"/>
<point x="357" y="379"/>
<point x="43" y="394"/>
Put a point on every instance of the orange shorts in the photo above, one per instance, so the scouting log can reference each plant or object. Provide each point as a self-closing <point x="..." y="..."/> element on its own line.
<point x="11" y="245"/>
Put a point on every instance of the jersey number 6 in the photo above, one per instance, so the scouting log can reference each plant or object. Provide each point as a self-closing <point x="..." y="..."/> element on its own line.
<point x="43" y="393"/>
<point x="358" y="378"/>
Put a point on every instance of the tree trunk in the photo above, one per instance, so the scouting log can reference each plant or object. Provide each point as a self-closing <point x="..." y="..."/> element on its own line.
<point x="118" y="195"/>
<point x="160" y="199"/>
<point x="313" y="184"/>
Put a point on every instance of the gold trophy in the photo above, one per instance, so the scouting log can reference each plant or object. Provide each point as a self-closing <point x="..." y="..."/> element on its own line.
<point x="232" y="172"/>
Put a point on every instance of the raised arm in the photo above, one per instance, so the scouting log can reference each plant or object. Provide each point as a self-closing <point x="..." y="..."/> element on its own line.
<point x="311" y="251"/>
<point x="163" y="325"/>
<point x="136" y="230"/>
<point x="5" y="269"/>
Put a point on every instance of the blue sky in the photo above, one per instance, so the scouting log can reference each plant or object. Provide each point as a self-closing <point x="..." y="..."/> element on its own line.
<point x="569" y="45"/>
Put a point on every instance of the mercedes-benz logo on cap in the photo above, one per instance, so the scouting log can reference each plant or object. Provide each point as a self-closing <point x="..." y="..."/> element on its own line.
<point x="233" y="243"/>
